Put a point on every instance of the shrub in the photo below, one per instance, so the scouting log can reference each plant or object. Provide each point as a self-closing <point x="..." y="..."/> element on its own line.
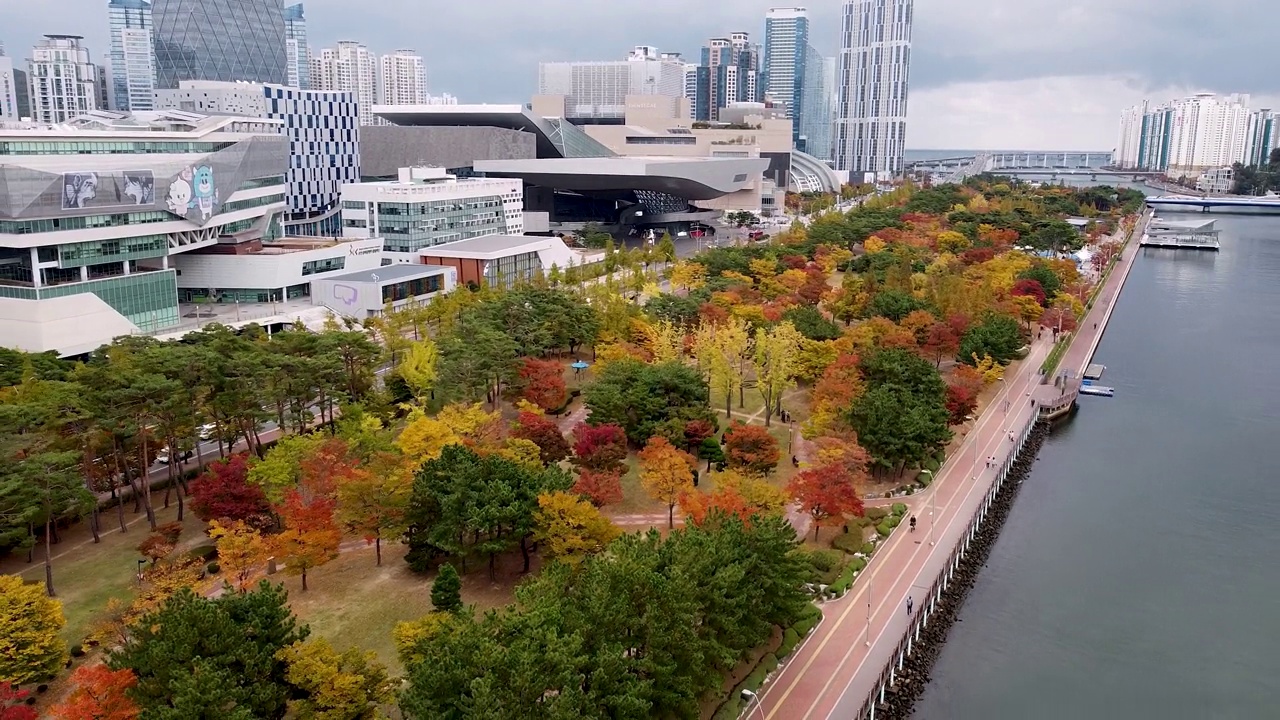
<point x="77" y="651"/>
<point x="868" y="549"/>
<point x="893" y="521"/>
<point x="850" y="542"/>
<point x="809" y="617"/>
<point x="858" y="564"/>
<point x="862" y="522"/>
<point x="876" y="514"/>
<point x="932" y="465"/>
<point x="823" y="561"/>
<point x="213" y="568"/>
<point x="790" y="638"/>
<point x="842" y="583"/>
<point x="42" y="688"/>
<point x="884" y="529"/>
<point x="925" y="480"/>
<point x="899" y="509"/>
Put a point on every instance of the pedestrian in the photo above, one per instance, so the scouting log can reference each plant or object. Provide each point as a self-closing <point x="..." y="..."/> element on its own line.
<point x="795" y="461"/>
<point x="910" y="602"/>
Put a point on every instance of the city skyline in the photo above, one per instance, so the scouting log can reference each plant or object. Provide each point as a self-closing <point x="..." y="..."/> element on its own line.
<point x="1045" y="76"/>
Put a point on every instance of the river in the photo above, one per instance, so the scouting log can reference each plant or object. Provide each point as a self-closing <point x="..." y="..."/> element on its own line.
<point x="1137" y="576"/>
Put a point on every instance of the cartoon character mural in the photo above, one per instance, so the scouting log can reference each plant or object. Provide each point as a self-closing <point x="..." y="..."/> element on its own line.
<point x="193" y="188"/>
<point x="180" y="200"/>
<point x="206" y="194"/>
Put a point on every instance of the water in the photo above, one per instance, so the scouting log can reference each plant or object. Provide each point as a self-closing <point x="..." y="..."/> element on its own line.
<point x="1136" y="576"/>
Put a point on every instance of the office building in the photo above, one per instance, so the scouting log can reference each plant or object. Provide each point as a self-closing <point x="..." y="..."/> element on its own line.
<point x="62" y="79"/>
<point x="296" y="51"/>
<point x="1262" y="138"/>
<point x="99" y="206"/>
<point x="425" y="207"/>
<point x="351" y="68"/>
<point x="1186" y="137"/>
<point x="818" y="120"/>
<point x="502" y="261"/>
<point x="786" y="54"/>
<point x="368" y="293"/>
<point x="132" y="66"/>
<point x="226" y="40"/>
<point x="323" y="133"/>
<point x="729" y="73"/>
<point x="403" y="79"/>
<point x="8" y="88"/>
<point x="597" y="91"/>
<point x="875" y="70"/>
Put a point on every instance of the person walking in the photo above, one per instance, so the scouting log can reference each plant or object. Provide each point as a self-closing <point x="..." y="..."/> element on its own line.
<point x="910" y="602"/>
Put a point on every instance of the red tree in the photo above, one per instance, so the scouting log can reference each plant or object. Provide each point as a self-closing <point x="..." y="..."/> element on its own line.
<point x="940" y="340"/>
<point x="698" y="506"/>
<point x="828" y="493"/>
<point x="751" y="448"/>
<point x="223" y="493"/>
<point x="695" y="431"/>
<point x="543" y="383"/>
<point x="600" y="487"/>
<point x="13" y="703"/>
<point x="977" y="256"/>
<point x="959" y="323"/>
<point x="794" y="262"/>
<point x="99" y="695"/>
<point x="599" y="447"/>
<point x="543" y="432"/>
<point x="815" y="285"/>
<point x="1030" y="288"/>
<point x="1060" y="319"/>
<point x="311" y="534"/>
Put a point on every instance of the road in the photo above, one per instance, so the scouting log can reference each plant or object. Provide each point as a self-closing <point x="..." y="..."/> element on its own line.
<point x="834" y="671"/>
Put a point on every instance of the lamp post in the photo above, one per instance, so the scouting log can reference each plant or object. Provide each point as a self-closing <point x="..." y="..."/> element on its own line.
<point x="868" y="631"/>
<point x="141" y="562"/>
<point x="751" y="697"/>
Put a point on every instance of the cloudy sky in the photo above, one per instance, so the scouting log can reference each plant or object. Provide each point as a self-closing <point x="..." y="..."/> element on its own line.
<point x="986" y="74"/>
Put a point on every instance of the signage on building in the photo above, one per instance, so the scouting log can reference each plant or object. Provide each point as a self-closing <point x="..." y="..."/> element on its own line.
<point x="365" y="250"/>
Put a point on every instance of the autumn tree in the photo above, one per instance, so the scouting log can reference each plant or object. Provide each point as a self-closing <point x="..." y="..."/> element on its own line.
<point x="241" y="549"/>
<point x="751" y="448"/>
<point x="446" y="590"/>
<point x="665" y="472"/>
<point x="457" y="424"/>
<point x="351" y="685"/>
<point x="962" y="393"/>
<point x="600" y="448"/>
<point x="372" y="503"/>
<point x="828" y="493"/>
<point x="543" y="432"/>
<point x="281" y="469"/>
<point x="841" y="383"/>
<point x="776" y="352"/>
<point x="31" y="649"/>
<point x="13" y="705"/>
<point x="542" y="383"/>
<point x="569" y="528"/>
<point x="99" y="693"/>
<point x="940" y="340"/>
<point x="688" y="275"/>
<point x="600" y="487"/>
<point x="311" y="536"/>
<point x="722" y="350"/>
<point x="998" y="336"/>
<point x="224" y="492"/>
<point x="161" y="542"/>
<point x="418" y="369"/>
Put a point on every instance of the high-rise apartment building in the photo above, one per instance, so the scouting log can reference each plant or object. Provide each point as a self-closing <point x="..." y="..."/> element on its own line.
<point x="786" y="53"/>
<point x="1186" y="137"/>
<point x="132" y="66"/>
<point x="349" y="67"/>
<point x="8" y="88"/>
<point x="62" y="78"/>
<point x="1262" y="137"/>
<point x="597" y="91"/>
<point x="227" y="40"/>
<point x="875" y="69"/>
<point x="818" y="118"/>
<point x="402" y="79"/>
<point x="296" y="51"/>
<point x="729" y="73"/>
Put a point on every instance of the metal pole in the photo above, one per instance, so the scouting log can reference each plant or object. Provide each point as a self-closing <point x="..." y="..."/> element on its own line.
<point x="869" y="579"/>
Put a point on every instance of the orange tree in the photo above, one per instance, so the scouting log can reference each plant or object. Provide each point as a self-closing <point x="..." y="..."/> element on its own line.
<point x="665" y="473"/>
<point x="751" y="448"/>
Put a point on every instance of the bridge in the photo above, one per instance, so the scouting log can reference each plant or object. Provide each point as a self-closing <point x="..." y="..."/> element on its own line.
<point x="1052" y="163"/>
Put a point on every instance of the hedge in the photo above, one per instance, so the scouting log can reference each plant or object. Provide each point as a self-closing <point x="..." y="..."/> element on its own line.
<point x="884" y="529"/>
<point x="848" y="542"/>
<point x="899" y="509"/>
<point x="877" y="514"/>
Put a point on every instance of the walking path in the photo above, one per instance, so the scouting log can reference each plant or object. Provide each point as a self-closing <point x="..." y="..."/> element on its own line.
<point x="836" y="668"/>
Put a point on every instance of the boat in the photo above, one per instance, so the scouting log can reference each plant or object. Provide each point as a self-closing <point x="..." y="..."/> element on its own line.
<point x="1097" y="390"/>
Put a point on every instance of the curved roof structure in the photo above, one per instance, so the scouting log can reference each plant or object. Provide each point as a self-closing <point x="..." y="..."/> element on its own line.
<point x="689" y="178"/>
<point x="809" y="174"/>
<point x="557" y="138"/>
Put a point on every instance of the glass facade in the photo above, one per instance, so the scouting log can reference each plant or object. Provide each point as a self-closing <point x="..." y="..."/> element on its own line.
<point x="510" y="271"/>
<point x="89" y="253"/>
<point x="251" y="203"/>
<point x="316" y="267"/>
<point x="149" y="299"/>
<point x="225" y="40"/>
<point x="133" y="71"/>
<point x="27" y="227"/>
<point x="410" y="227"/>
<point x="411" y="288"/>
<point x="109" y="147"/>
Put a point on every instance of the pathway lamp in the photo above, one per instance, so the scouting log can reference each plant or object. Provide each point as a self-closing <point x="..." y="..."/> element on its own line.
<point x="751" y="697"/>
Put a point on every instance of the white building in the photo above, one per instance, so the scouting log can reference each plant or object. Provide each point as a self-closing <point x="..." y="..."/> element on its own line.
<point x="133" y="61"/>
<point x="276" y="271"/>
<point x="63" y="79"/>
<point x="1129" y="146"/>
<point x="99" y="206"/>
<point x="1188" y="136"/>
<point x="875" y="68"/>
<point x="367" y="293"/>
<point x="1262" y="138"/>
<point x="403" y="79"/>
<point x="297" y="52"/>
<point x="425" y="207"/>
<point x="349" y="67"/>
<point x="1217" y="181"/>
<point x="599" y="90"/>
<point x="8" y="88"/>
<point x="324" y="144"/>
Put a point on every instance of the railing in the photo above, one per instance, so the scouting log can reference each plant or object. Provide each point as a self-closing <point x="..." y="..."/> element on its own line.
<point x="920" y="621"/>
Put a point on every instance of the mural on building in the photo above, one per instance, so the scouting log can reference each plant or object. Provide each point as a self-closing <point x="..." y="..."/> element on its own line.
<point x="193" y="188"/>
<point x="180" y="200"/>
<point x="90" y="190"/>
<point x="205" y="191"/>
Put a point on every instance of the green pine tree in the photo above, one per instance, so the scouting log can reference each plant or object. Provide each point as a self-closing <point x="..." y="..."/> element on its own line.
<point x="446" y="591"/>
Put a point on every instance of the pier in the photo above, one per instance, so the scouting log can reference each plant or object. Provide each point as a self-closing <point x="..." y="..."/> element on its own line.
<point x="1181" y="234"/>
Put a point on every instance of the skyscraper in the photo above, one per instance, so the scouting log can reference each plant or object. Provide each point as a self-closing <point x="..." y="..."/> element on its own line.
<point x="224" y="40"/>
<point x="875" y="67"/>
<point x="403" y="79"/>
<point x="1262" y="137"/>
<point x="816" y="122"/>
<point x="729" y="73"/>
<point x="62" y="78"/>
<point x="598" y="90"/>
<point x="350" y="67"/>
<point x="786" y="52"/>
<point x="133" y="66"/>
<point x="297" y="60"/>
<point x="8" y="88"/>
<point x="1186" y="137"/>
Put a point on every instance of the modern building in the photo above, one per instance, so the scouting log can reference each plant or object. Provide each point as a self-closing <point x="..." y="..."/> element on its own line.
<point x="278" y="271"/>
<point x="133" y="66"/>
<point x="875" y="70"/>
<point x="1216" y="181"/>
<point x="425" y="207"/>
<point x="1262" y="138"/>
<point x="502" y="260"/>
<point x="786" y="54"/>
<point x="597" y="92"/>
<point x="324" y="143"/>
<point x="729" y="73"/>
<point x="384" y="149"/>
<point x="62" y="79"/>
<point x="403" y="79"/>
<point x="1189" y="136"/>
<point x="350" y="68"/>
<point x="1130" y="148"/>
<point x="8" y="89"/>
<point x="225" y="40"/>
<point x="297" y="52"/>
<point x="819" y="105"/>
<point x="368" y="293"/>
<point x="95" y="209"/>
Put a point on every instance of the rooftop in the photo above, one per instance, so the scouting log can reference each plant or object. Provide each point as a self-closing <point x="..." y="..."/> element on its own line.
<point x="391" y="273"/>
<point x="487" y="245"/>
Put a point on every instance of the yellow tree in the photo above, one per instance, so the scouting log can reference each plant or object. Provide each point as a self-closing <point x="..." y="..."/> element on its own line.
<point x="241" y="550"/>
<point x="31" y="648"/>
<point x="758" y="494"/>
<point x="1029" y="310"/>
<point x="723" y="349"/>
<point x="688" y="275"/>
<point x="419" y="369"/>
<point x="570" y="528"/>
<point x="665" y="473"/>
<point x="775" y="360"/>
<point x="351" y="684"/>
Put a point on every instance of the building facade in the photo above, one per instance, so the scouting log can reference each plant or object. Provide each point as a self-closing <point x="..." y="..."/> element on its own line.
<point x="62" y="79"/>
<point x="402" y="79"/>
<point x="818" y="119"/>
<point x="133" y="68"/>
<point x="875" y="70"/>
<point x="502" y="261"/>
<point x="425" y="207"/>
<point x="366" y="294"/>
<point x="729" y="73"/>
<point x="1186" y="137"/>
<point x="786" y="56"/>
<point x="350" y="68"/>
<point x="297" y="52"/>
<point x="226" y="40"/>
<point x="98" y="206"/>
<point x="597" y="91"/>
<point x="1262" y="137"/>
<point x="8" y="89"/>
<point x="269" y="272"/>
<point x="324" y="141"/>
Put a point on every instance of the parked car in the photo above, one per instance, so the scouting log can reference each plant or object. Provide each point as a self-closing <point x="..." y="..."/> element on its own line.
<point x="164" y="456"/>
<point x="207" y="430"/>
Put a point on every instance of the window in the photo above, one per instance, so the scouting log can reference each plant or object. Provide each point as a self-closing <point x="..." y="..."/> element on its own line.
<point x="316" y="267"/>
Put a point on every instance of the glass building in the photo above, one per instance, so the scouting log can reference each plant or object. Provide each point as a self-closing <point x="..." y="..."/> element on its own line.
<point x="133" y="67"/>
<point x="786" y="48"/>
<point x="295" y="38"/>
<point x="226" y="40"/>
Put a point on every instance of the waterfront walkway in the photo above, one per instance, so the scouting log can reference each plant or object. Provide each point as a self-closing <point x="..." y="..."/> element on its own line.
<point x="835" y="670"/>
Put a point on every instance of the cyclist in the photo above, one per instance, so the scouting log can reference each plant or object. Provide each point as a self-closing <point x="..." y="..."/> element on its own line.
<point x="913" y="523"/>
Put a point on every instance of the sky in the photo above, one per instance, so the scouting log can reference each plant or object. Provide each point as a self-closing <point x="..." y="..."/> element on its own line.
<point x="986" y="74"/>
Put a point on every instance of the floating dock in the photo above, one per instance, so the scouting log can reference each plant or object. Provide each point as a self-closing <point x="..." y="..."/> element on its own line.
<point x="1181" y="234"/>
<point x="1094" y="371"/>
<point x="1268" y="203"/>
<point x="1097" y="390"/>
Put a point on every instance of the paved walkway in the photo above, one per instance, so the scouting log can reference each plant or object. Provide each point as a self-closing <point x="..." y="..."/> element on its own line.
<point x="834" y="670"/>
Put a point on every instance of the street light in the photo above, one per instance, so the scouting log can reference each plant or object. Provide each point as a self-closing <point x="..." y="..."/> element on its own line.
<point x="141" y="562"/>
<point x="933" y="493"/>
<point x="751" y="697"/>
